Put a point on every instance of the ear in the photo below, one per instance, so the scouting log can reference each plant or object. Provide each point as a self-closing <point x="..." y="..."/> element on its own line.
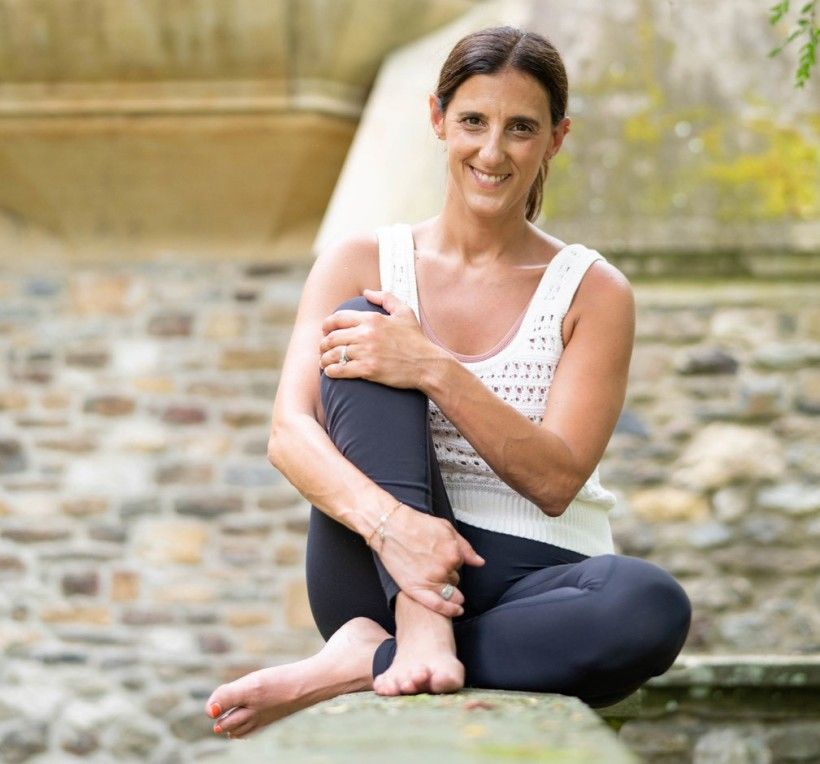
<point x="559" y="132"/>
<point x="436" y="116"/>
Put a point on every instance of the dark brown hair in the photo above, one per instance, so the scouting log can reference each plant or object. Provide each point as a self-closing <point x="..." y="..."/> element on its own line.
<point x="491" y="50"/>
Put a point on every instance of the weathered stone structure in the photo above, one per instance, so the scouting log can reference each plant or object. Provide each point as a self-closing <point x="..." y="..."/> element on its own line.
<point x="147" y="549"/>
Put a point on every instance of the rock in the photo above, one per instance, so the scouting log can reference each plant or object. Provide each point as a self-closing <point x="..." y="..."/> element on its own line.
<point x="24" y="740"/>
<point x="171" y="324"/>
<point x="134" y="739"/>
<point x="748" y="327"/>
<point x="225" y="324"/>
<point x="720" y="593"/>
<point x="766" y="529"/>
<point x="192" y="724"/>
<point x="297" y="608"/>
<point x="84" y="507"/>
<point x="730" y="746"/>
<point x="33" y="535"/>
<point x="721" y="454"/>
<point x="168" y="541"/>
<point x="97" y="294"/>
<point x="75" y="614"/>
<point x="706" y="360"/>
<point x="208" y="506"/>
<point x="12" y="458"/>
<point x="708" y="535"/>
<point x="184" y="415"/>
<point x="251" y="475"/>
<point x="125" y="585"/>
<point x="185" y="473"/>
<point x="212" y="643"/>
<point x="807" y="391"/>
<point x="668" y="504"/>
<point x="786" y="356"/>
<point x="250" y="359"/>
<point x="730" y="503"/>
<point x="146" y="616"/>
<point x="114" y="534"/>
<point x="139" y="507"/>
<point x="760" y="398"/>
<point x="797" y="741"/>
<point x="109" y="405"/>
<point x="86" y="583"/>
<point x="630" y="423"/>
<point x="80" y="743"/>
<point x="790" y="498"/>
<point x="245" y="418"/>
<point x="748" y="631"/>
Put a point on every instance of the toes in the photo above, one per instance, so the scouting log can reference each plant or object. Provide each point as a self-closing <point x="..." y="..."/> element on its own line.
<point x="224" y="697"/>
<point x="233" y="719"/>
<point x="387" y="685"/>
<point x="243" y="729"/>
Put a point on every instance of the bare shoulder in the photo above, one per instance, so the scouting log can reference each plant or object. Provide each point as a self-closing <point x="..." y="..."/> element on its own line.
<point x="349" y="265"/>
<point x="604" y="296"/>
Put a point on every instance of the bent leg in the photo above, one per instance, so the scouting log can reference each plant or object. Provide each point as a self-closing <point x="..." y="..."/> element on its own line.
<point x="595" y="629"/>
<point x="383" y="431"/>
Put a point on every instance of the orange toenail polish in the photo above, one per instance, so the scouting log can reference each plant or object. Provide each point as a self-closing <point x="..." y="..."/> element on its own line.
<point x="216" y="709"/>
<point x="217" y="729"/>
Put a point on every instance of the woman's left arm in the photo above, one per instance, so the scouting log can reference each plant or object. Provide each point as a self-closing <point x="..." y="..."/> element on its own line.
<point x="547" y="463"/>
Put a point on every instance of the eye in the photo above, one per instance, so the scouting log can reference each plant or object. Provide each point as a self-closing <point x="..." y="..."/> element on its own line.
<point x="522" y="127"/>
<point x="471" y="121"/>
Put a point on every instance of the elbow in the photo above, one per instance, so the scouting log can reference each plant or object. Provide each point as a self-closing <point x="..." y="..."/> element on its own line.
<point x="556" y="499"/>
<point x="278" y="436"/>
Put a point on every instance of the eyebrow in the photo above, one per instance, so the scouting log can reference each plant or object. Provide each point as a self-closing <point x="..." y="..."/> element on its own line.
<point x="516" y="118"/>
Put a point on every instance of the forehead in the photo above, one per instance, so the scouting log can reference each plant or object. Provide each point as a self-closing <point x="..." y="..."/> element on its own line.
<point x="507" y="90"/>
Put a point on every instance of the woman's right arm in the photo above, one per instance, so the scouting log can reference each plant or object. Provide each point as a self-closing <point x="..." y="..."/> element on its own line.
<point x="421" y="552"/>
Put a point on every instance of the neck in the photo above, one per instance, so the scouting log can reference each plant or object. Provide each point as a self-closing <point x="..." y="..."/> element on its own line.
<point x="479" y="240"/>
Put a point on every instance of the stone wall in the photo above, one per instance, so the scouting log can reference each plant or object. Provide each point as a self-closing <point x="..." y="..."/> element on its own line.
<point x="148" y="552"/>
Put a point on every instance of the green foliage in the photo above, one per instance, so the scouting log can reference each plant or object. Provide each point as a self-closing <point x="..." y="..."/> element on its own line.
<point x="805" y="27"/>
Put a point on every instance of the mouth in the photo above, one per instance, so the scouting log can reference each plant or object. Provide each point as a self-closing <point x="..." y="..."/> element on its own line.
<point x="486" y="180"/>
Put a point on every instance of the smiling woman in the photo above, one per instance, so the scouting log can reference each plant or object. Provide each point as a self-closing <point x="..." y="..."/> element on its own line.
<point x="459" y="532"/>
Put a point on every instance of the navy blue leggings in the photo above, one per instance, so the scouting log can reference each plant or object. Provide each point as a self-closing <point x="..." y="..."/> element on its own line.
<point x="537" y="617"/>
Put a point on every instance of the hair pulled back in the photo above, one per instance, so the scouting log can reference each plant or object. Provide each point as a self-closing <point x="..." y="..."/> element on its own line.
<point x="489" y="51"/>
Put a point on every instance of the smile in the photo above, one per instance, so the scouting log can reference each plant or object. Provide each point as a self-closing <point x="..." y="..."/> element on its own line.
<point x="486" y="180"/>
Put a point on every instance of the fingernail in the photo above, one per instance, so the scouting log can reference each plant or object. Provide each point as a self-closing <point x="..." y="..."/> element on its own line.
<point x="216" y="710"/>
<point x="217" y="729"/>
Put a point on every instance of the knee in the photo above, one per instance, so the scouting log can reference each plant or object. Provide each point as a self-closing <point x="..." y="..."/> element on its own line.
<point x="360" y="303"/>
<point x="655" y="615"/>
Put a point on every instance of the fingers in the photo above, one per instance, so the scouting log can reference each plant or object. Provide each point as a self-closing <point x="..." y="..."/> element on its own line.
<point x="434" y="601"/>
<point x="471" y="557"/>
<point x="453" y="577"/>
<point x="337" y="337"/>
<point x="344" y="319"/>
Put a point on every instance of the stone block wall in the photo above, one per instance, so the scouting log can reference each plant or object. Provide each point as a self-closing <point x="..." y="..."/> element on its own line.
<point x="148" y="551"/>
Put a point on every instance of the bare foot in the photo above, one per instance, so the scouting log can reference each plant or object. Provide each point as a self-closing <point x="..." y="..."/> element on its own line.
<point x="344" y="664"/>
<point x="425" y="655"/>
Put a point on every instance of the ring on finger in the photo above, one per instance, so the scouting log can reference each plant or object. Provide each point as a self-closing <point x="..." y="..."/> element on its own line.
<point x="447" y="591"/>
<point x="343" y="359"/>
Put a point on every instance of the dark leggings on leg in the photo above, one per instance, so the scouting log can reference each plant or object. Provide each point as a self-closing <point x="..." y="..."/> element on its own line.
<point x="537" y="617"/>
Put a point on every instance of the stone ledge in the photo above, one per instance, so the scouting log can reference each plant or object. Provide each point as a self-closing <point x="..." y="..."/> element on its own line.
<point x="470" y="726"/>
<point x="728" y="686"/>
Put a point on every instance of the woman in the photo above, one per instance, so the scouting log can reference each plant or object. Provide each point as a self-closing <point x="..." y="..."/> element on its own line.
<point x="427" y="435"/>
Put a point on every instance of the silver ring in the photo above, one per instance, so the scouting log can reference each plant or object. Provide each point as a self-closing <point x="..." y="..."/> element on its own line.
<point x="343" y="359"/>
<point x="447" y="591"/>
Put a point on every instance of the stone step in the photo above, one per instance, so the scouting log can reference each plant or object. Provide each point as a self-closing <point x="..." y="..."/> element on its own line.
<point x="469" y="726"/>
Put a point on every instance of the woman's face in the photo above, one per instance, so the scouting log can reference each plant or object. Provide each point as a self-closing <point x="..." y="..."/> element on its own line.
<point x="498" y="132"/>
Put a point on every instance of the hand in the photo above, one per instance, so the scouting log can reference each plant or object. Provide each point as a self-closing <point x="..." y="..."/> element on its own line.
<point x="389" y="349"/>
<point x="423" y="553"/>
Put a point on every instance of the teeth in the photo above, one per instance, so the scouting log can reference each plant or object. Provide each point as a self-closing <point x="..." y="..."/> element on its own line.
<point x="488" y="178"/>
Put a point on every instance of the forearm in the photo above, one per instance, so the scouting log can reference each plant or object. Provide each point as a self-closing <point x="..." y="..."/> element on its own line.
<point x="302" y="451"/>
<point x="533" y="461"/>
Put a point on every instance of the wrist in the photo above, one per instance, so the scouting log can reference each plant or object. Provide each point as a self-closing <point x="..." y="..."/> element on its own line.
<point x="378" y="533"/>
<point x="437" y="372"/>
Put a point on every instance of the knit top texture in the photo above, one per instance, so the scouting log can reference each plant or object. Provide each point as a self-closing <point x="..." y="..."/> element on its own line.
<point x="519" y="370"/>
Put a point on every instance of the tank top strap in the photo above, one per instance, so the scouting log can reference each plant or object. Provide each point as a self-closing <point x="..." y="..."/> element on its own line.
<point x="574" y="263"/>
<point x="396" y="262"/>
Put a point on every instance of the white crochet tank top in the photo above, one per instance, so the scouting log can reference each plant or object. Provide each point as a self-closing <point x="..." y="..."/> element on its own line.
<point x="520" y="373"/>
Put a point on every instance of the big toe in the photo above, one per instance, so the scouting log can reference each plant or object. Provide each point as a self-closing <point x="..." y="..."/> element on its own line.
<point x="222" y="698"/>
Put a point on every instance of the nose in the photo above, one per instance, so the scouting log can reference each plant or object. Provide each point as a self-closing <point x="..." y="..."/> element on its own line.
<point x="492" y="149"/>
